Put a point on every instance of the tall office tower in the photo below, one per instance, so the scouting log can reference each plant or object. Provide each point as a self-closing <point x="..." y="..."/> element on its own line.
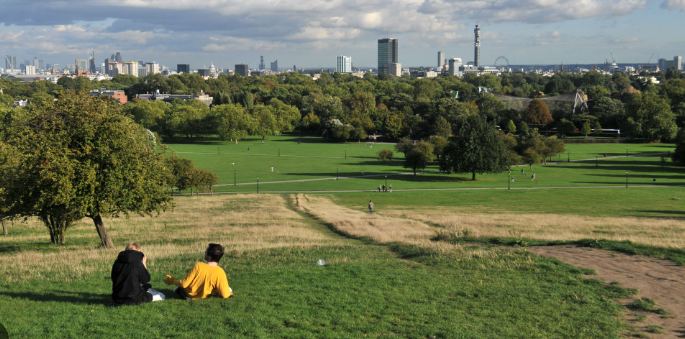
<point x="242" y="69"/>
<point x="118" y="57"/>
<point x="11" y="62"/>
<point x="476" y="52"/>
<point x="274" y="66"/>
<point x="455" y="63"/>
<point x="91" y="62"/>
<point x="183" y="68"/>
<point x="77" y="69"/>
<point x="678" y="61"/>
<point x="294" y="68"/>
<point x="343" y="64"/>
<point x="387" y="54"/>
<point x="36" y="63"/>
<point x="41" y="64"/>
<point x="441" y="59"/>
<point x="261" y="63"/>
<point x="55" y="68"/>
<point x="151" y="67"/>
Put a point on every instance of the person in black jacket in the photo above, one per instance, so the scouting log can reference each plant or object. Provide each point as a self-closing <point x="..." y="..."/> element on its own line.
<point x="130" y="278"/>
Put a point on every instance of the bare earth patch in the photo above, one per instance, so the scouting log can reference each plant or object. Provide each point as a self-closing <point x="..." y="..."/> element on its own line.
<point x="661" y="280"/>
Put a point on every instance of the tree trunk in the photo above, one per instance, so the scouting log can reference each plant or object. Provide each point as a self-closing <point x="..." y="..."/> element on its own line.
<point x="105" y="241"/>
<point x="4" y="227"/>
<point x="473" y="175"/>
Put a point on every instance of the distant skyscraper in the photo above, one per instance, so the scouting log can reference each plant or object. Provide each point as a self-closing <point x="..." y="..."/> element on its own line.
<point x="294" y="68"/>
<point x="261" y="63"/>
<point x="183" y="68"/>
<point x="476" y="45"/>
<point x="242" y="69"/>
<point x="36" y="63"/>
<point x="151" y="67"/>
<point x="274" y="66"/>
<point x="678" y="60"/>
<point x="343" y="64"/>
<point x="118" y="58"/>
<point x="11" y="62"/>
<point x="441" y="59"/>
<point x="388" y="52"/>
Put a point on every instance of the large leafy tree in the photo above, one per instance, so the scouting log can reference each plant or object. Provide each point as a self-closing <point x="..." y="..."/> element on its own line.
<point x="80" y="156"/>
<point x="419" y="156"/>
<point x="650" y="117"/>
<point x="232" y="121"/>
<point x="476" y="148"/>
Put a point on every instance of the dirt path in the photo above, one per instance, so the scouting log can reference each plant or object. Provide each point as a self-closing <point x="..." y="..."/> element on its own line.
<point x="661" y="280"/>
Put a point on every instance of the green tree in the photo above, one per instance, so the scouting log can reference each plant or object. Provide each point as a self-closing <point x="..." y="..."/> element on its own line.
<point x="537" y="113"/>
<point x="567" y="127"/>
<point x="511" y="127"/>
<point x="586" y="129"/>
<point x="598" y="128"/>
<point x="419" y="156"/>
<point x="266" y="123"/>
<point x="678" y="155"/>
<point x="490" y="106"/>
<point x="442" y="127"/>
<point x="404" y="146"/>
<point x="80" y="156"/>
<point x="148" y="113"/>
<point x="650" y="117"/>
<point x="384" y="155"/>
<point x="178" y="169"/>
<point x="439" y="143"/>
<point x="232" y="122"/>
<point x="476" y="148"/>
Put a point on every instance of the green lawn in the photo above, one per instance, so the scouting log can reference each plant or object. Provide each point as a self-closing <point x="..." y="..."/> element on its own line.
<point x="314" y="159"/>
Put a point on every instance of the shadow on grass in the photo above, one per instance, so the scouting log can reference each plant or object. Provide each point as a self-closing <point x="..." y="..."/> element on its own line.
<point x="62" y="296"/>
<point x="664" y="212"/>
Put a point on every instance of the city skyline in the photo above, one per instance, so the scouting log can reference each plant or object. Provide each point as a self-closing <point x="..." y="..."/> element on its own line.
<point x="525" y="32"/>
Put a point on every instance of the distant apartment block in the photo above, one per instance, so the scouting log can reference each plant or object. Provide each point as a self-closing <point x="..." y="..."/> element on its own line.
<point x="395" y="68"/>
<point x="676" y="63"/>
<point x="206" y="99"/>
<point x="343" y="64"/>
<point x="30" y="70"/>
<point x="441" y="59"/>
<point x="130" y="68"/>
<point x="274" y="66"/>
<point x="455" y="64"/>
<point x="152" y="68"/>
<point x="242" y="69"/>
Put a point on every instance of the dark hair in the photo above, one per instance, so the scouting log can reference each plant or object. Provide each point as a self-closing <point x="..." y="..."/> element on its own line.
<point x="215" y="252"/>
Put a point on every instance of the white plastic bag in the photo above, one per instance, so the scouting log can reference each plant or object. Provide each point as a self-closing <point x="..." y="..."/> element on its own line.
<point x="156" y="295"/>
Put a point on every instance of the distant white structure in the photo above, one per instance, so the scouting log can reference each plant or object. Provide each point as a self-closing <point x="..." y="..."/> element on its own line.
<point x="30" y="70"/>
<point x="441" y="59"/>
<point x="343" y="64"/>
<point x="151" y="68"/>
<point x="395" y="68"/>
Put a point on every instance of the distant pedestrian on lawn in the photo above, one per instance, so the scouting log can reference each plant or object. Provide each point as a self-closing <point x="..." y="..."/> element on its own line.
<point x="272" y="169"/>
<point x="204" y="279"/>
<point x="390" y="188"/>
<point x="522" y="172"/>
<point x="512" y="179"/>
<point x="131" y="279"/>
<point x="370" y="207"/>
<point x="362" y="172"/>
<point x="384" y="190"/>
<point x="248" y="148"/>
<point x="379" y="188"/>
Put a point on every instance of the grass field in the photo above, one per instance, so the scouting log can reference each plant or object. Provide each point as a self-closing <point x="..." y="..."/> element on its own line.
<point x="402" y="286"/>
<point x="385" y="274"/>
<point x="318" y="162"/>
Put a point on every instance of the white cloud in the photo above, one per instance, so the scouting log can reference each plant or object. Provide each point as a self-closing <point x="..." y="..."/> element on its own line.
<point x="674" y="4"/>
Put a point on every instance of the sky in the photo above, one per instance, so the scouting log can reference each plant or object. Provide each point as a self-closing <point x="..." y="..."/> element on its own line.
<point x="311" y="33"/>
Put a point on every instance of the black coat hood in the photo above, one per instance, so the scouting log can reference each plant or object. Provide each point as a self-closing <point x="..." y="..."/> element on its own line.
<point x="130" y="279"/>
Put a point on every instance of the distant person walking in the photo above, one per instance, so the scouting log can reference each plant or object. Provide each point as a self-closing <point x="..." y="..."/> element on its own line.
<point x="522" y="172"/>
<point x="512" y="179"/>
<point x="384" y="189"/>
<point x="272" y="169"/>
<point x="370" y="207"/>
<point x="390" y="188"/>
<point x="362" y="172"/>
<point x="379" y="188"/>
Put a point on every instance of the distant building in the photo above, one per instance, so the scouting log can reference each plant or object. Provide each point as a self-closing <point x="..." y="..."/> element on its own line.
<point x="130" y="68"/>
<point x="116" y="94"/>
<point x="274" y="66"/>
<point x="114" y="68"/>
<point x="242" y="69"/>
<point x="183" y="68"/>
<point x="204" y="72"/>
<point x="118" y="57"/>
<point x="261" y="63"/>
<point x="394" y="68"/>
<point x="455" y="65"/>
<point x="476" y="45"/>
<point x="152" y="68"/>
<point x="206" y="99"/>
<point x="294" y="68"/>
<point x="343" y="64"/>
<point x="30" y="70"/>
<point x="441" y="59"/>
<point x="675" y="63"/>
<point x="11" y="62"/>
<point x="388" y="52"/>
<point x="36" y="63"/>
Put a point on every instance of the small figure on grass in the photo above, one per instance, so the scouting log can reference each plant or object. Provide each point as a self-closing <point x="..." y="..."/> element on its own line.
<point x="390" y="187"/>
<point x="272" y="169"/>
<point x="370" y="207"/>
<point x="384" y="190"/>
<point x="379" y="188"/>
<point x="204" y="279"/>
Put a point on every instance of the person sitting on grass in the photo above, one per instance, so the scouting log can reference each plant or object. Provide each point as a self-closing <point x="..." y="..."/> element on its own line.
<point x="204" y="279"/>
<point x="131" y="279"/>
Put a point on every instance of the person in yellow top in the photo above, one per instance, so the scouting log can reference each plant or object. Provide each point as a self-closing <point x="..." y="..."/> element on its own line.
<point x="204" y="279"/>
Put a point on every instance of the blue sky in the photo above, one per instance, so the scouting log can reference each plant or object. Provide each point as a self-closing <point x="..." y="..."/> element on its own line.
<point x="311" y="33"/>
